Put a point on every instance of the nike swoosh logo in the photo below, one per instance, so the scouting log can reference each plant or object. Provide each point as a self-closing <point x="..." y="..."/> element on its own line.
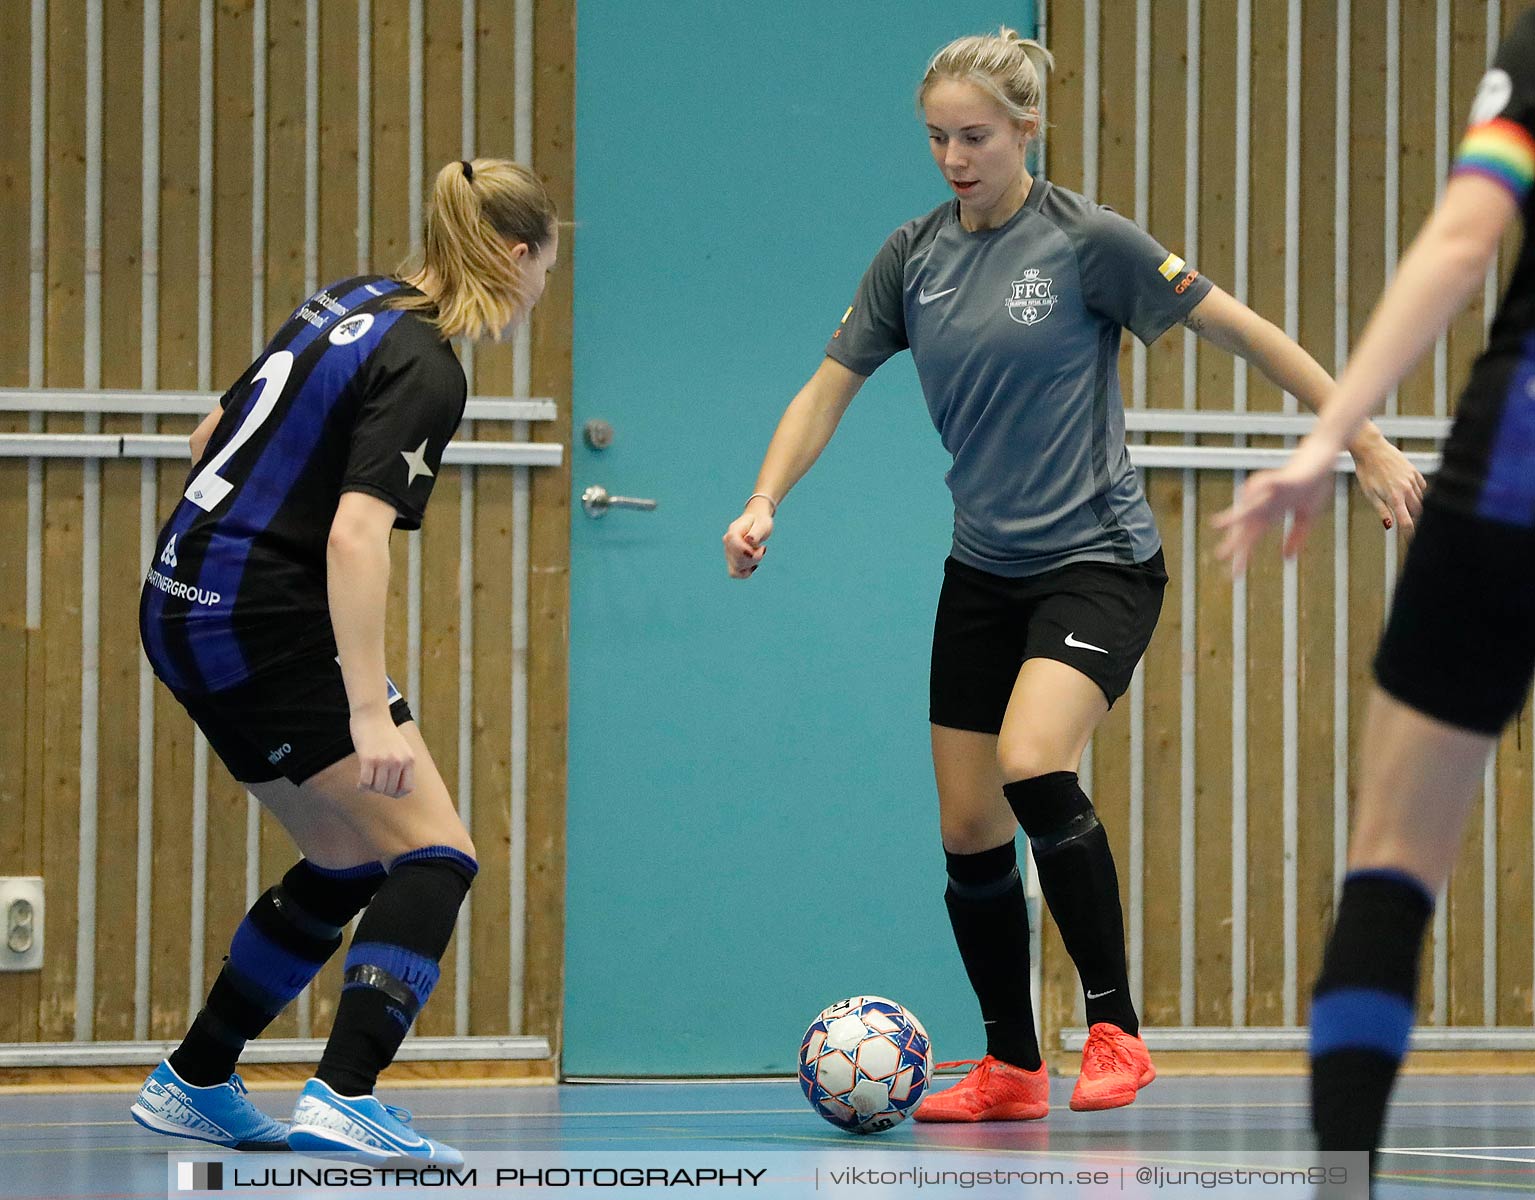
<point x="1071" y="640"/>
<point x="924" y="298"/>
<point x="1100" y="995"/>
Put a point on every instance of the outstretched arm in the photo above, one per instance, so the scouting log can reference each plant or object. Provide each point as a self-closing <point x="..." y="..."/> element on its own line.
<point x="1393" y="485"/>
<point x="1446" y="263"/>
<point x="803" y="432"/>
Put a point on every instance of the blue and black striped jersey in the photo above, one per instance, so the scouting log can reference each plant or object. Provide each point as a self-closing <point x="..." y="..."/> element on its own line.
<point x="1489" y="460"/>
<point x="350" y="395"/>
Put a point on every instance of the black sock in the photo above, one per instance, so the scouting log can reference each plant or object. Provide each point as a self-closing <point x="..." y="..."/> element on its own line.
<point x="392" y="965"/>
<point x="1362" y="1009"/>
<point x="1077" y="877"/>
<point x="991" y="926"/>
<point x="281" y="945"/>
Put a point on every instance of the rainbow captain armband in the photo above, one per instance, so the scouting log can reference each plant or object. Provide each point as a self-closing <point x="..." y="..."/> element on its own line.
<point x="1500" y="150"/>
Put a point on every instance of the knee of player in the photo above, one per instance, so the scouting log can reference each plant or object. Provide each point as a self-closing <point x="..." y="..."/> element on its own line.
<point x="971" y="833"/>
<point x="1026" y="758"/>
<point x="456" y="851"/>
<point x="1052" y="809"/>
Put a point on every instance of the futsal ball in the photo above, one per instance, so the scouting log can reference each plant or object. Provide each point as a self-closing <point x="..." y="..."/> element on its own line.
<point x="865" y="1063"/>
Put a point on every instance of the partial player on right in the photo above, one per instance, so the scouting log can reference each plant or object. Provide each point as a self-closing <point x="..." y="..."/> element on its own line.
<point x="1456" y="660"/>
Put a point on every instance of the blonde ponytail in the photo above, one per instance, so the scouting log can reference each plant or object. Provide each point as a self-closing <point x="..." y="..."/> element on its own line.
<point x="1012" y="68"/>
<point x="470" y="285"/>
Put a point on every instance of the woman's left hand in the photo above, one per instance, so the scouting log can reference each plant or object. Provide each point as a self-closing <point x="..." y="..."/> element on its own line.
<point x="1393" y="485"/>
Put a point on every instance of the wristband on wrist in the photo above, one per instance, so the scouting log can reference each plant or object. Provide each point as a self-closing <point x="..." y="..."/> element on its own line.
<point x="772" y="504"/>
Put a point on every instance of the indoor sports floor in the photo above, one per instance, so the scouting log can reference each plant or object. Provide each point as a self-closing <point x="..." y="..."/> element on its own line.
<point x="1461" y="1136"/>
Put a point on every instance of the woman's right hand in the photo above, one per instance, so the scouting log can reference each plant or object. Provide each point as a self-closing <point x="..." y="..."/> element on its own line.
<point x="746" y="539"/>
<point x="386" y="763"/>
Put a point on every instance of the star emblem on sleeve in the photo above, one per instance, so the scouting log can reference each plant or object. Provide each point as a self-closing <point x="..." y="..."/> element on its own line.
<point x="416" y="461"/>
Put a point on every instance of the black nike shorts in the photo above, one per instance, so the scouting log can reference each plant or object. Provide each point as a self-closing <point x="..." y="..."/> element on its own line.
<point x="1096" y="617"/>
<point x="1459" y="645"/>
<point x="289" y="723"/>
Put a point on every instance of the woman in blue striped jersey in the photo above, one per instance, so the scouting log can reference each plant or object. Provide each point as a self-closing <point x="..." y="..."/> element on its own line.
<point x="1456" y="659"/>
<point x="263" y="613"/>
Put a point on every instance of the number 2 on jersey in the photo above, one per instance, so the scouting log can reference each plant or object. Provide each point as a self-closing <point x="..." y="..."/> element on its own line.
<point x="208" y="487"/>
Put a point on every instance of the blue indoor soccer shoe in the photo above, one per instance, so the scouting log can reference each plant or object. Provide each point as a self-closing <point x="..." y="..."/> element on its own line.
<point x="332" y="1126"/>
<point x="221" y="1114"/>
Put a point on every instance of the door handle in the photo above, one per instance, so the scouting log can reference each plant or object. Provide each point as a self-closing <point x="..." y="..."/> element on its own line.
<point x="596" y="501"/>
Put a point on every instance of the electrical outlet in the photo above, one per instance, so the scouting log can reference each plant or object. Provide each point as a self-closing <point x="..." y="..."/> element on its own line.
<point x="21" y="923"/>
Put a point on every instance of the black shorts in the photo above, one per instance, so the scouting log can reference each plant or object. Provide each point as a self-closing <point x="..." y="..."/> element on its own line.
<point x="290" y="723"/>
<point x="1460" y="642"/>
<point x="1096" y="617"/>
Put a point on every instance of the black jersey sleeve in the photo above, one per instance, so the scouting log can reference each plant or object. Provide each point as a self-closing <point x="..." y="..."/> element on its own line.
<point x="1132" y="279"/>
<point x="874" y="328"/>
<point x="1499" y="143"/>
<point x="411" y="404"/>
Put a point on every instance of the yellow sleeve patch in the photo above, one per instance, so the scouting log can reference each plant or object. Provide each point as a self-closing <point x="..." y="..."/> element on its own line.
<point x="1170" y="267"/>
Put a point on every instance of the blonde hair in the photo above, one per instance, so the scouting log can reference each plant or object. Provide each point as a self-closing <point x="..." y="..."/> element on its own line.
<point x="1011" y="68"/>
<point x="470" y="285"/>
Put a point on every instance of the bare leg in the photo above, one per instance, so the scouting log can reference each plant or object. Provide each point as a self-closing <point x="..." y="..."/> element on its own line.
<point x="1050" y="719"/>
<point x="387" y="827"/>
<point x="393" y="964"/>
<point x="1419" y="780"/>
<point x="972" y="813"/>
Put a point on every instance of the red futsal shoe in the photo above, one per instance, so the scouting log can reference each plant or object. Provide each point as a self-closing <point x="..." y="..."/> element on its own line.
<point x="1115" y="1065"/>
<point x="993" y="1091"/>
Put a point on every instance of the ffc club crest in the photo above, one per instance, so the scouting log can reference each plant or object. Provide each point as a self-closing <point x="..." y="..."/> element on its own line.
<point x="1031" y="299"/>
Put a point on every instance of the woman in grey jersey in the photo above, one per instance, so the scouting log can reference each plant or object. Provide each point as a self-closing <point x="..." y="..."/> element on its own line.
<point x="1012" y="297"/>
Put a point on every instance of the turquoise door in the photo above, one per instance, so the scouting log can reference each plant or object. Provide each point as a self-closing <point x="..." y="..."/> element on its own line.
<point x="752" y="824"/>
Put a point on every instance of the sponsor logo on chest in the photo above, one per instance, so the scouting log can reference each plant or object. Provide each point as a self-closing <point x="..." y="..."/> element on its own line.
<point x="1030" y="300"/>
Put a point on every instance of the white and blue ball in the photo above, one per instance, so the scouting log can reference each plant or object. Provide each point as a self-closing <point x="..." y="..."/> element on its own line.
<point x="865" y="1063"/>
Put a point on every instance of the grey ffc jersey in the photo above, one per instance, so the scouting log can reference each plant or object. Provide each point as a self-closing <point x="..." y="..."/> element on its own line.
<point x="1015" y="335"/>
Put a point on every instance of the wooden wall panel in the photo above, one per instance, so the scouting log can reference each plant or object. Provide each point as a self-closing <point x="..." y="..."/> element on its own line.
<point x="1162" y="877"/>
<point x="20" y="838"/>
<point x="16" y="191"/>
<point x="554" y="157"/>
<point x="1265" y="580"/>
<point x="179" y="266"/>
<point x="62" y="492"/>
<point x="339" y="117"/>
<point x="491" y="740"/>
<point x="1215" y="256"/>
<point x="117" y="708"/>
<point x="1374" y="561"/>
<point x="1515" y="879"/>
<point x="1315" y="657"/>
